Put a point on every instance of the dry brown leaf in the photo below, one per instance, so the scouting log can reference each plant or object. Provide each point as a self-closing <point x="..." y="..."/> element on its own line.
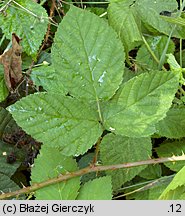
<point x="12" y="63"/>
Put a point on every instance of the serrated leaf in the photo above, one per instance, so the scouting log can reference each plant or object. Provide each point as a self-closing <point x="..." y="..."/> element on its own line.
<point x="143" y="102"/>
<point x="182" y="196"/>
<point x="157" y="45"/>
<point x="49" y="164"/>
<point x="116" y="149"/>
<point x="97" y="189"/>
<point x="174" y="20"/>
<point x="174" y="66"/>
<point x="88" y="56"/>
<point x="7" y="185"/>
<point x="124" y="19"/>
<point x="173" y="125"/>
<point x="176" y="188"/>
<point x="168" y="149"/>
<point x="149" y="12"/>
<point x="28" y="20"/>
<point x="3" y="89"/>
<point x="46" y="77"/>
<point x="174" y="194"/>
<point x="58" y="121"/>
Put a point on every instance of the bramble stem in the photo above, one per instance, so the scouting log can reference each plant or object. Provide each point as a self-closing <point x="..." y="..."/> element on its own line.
<point x="89" y="169"/>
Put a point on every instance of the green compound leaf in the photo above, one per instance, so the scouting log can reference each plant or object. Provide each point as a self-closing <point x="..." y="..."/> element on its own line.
<point x="176" y="188"/>
<point x="173" y="125"/>
<point x="97" y="189"/>
<point x="132" y="149"/>
<point x="58" y="121"/>
<point x="49" y="164"/>
<point x="157" y="45"/>
<point x="143" y="102"/>
<point x="149" y="12"/>
<point x="3" y="89"/>
<point x="28" y="20"/>
<point x="124" y="19"/>
<point x="46" y="77"/>
<point x="168" y="149"/>
<point x="88" y="56"/>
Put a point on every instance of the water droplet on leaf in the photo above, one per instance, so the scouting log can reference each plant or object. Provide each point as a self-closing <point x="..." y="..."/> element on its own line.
<point x="101" y="77"/>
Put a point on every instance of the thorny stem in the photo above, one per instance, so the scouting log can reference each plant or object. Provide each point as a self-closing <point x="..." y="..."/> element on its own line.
<point x="89" y="169"/>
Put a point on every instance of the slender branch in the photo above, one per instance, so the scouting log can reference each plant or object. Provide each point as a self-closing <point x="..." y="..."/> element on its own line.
<point x="89" y="169"/>
<point x="5" y="6"/>
<point x="51" y="13"/>
<point x="151" y="184"/>
<point x="20" y="7"/>
<point x="97" y="150"/>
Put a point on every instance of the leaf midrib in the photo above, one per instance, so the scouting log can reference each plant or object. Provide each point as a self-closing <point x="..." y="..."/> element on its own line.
<point x="86" y="55"/>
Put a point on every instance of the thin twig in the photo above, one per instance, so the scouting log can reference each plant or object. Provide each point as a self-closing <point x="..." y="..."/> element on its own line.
<point x="5" y="6"/>
<point x="149" y="185"/>
<point x="86" y="170"/>
<point x="52" y="9"/>
<point x="97" y="150"/>
<point x="20" y="7"/>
